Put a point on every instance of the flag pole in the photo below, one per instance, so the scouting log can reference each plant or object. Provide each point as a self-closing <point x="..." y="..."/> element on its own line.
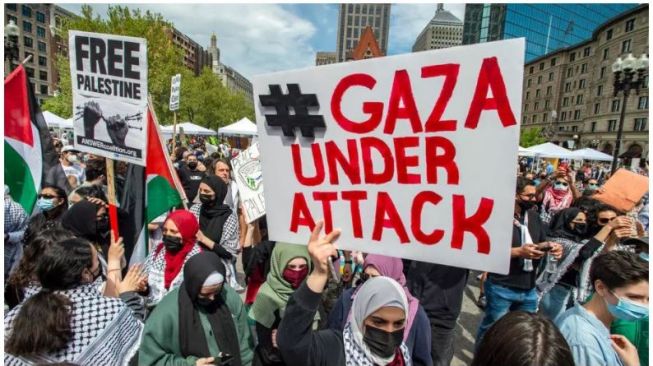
<point x="174" y="131"/>
<point x="111" y="191"/>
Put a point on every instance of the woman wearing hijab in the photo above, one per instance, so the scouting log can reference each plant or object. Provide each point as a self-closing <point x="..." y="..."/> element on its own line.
<point x="219" y="230"/>
<point x="52" y="203"/>
<point x="164" y="265"/>
<point x="289" y="266"/>
<point x="76" y="324"/>
<point x="372" y="336"/>
<point x="417" y="334"/>
<point x="203" y="322"/>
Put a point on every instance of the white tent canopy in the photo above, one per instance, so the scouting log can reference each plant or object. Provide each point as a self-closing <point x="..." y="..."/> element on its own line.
<point x="52" y="120"/>
<point x="591" y="154"/>
<point x="549" y="150"/>
<point x="189" y="129"/>
<point x="242" y="127"/>
<point x="525" y="152"/>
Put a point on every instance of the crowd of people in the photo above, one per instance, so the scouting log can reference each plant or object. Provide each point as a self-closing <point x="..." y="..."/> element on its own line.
<point x="576" y="292"/>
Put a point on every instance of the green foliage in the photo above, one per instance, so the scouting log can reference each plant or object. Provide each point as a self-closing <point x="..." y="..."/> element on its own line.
<point x="530" y="137"/>
<point x="204" y="100"/>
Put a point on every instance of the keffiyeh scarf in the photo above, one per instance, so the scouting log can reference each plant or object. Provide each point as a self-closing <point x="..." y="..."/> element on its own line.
<point x="356" y="356"/>
<point x="547" y="280"/>
<point x="155" y="265"/>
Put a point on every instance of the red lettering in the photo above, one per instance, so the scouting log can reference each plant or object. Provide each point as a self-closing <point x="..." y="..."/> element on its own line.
<point x="301" y="215"/>
<point x="404" y="162"/>
<point x="472" y="224"/>
<point x="326" y="198"/>
<point x="335" y="157"/>
<point x="354" y="198"/>
<point x="450" y="73"/>
<point x="367" y="144"/>
<point x="374" y="109"/>
<point x="490" y="78"/>
<point x="297" y="165"/>
<point x="387" y="217"/>
<point x="416" y="218"/>
<point x="402" y="92"/>
<point x="446" y="160"/>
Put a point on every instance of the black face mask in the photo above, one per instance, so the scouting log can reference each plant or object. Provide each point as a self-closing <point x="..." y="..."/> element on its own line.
<point x="580" y="229"/>
<point x="206" y="199"/>
<point x="526" y="205"/>
<point x="382" y="343"/>
<point x="192" y="165"/>
<point x="102" y="226"/>
<point x="208" y="303"/>
<point x="173" y="244"/>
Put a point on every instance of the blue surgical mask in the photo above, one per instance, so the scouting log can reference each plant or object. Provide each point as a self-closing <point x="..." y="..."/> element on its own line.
<point x="593" y="187"/>
<point x="644" y="256"/>
<point x="45" y="204"/>
<point x="560" y="187"/>
<point x="627" y="309"/>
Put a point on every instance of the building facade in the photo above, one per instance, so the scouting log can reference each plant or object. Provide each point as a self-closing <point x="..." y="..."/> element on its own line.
<point x="352" y="21"/>
<point x="39" y="38"/>
<point x="547" y="27"/>
<point x="569" y="94"/>
<point x="444" y="30"/>
<point x="325" y="58"/>
<point x="230" y="78"/>
<point x="195" y="57"/>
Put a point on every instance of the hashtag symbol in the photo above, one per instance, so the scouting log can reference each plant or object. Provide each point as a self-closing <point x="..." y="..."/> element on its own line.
<point x="299" y="103"/>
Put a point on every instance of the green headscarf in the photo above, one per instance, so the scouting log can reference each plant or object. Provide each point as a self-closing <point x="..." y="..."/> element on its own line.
<point x="276" y="291"/>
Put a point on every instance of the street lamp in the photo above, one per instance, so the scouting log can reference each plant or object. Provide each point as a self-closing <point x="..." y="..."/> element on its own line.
<point x="628" y="67"/>
<point x="11" y="43"/>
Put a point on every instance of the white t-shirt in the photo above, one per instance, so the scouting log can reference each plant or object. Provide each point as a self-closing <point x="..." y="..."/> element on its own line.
<point x="76" y="170"/>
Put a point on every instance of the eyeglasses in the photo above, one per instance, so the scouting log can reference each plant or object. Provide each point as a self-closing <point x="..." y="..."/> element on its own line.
<point x="529" y="196"/>
<point x="47" y="196"/>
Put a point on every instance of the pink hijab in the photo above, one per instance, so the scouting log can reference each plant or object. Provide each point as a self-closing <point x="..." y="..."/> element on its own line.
<point x="394" y="268"/>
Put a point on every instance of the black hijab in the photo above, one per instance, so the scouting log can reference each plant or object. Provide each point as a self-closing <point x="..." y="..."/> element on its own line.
<point x="213" y="215"/>
<point x="81" y="220"/>
<point x="192" y="339"/>
<point x="560" y="224"/>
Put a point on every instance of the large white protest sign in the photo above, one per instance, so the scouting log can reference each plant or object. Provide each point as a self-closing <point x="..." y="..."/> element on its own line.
<point x="413" y="156"/>
<point x="175" y="86"/>
<point x="109" y="80"/>
<point x="247" y="171"/>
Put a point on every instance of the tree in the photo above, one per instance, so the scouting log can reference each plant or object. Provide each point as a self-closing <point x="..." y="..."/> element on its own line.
<point x="210" y="104"/>
<point x="530" y="136"/>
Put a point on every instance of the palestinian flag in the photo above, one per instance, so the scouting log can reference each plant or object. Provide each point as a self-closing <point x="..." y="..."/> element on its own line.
<point x="29" y="151"/>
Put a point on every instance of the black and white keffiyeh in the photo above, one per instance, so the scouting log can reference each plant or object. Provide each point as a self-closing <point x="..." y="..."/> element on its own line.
<point x="356" y="356"/>
<point x="155" y="265"/>
<point x="105" y="331"/>
<point x="570" y="251"/>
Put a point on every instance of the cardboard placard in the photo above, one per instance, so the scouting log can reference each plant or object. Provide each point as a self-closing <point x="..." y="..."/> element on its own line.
<point x="623" y="190"/>
<point x="410" y="156"/>
<point x="175" y="87"/>
<point x="109" y="85"/>
<point x="247" y="172"/>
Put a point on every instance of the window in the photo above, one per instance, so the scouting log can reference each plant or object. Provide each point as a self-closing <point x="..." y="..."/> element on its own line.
<point x="550" y="76"/>
<point x="602" y="72"/>
<point x="348" y="32"/>
<point x="525" y="120"/>
<point x="581" y="84"/>
<point x="548" y="90"/>
<point x="570" y="72"/>
<point x="27" y="11"/>
<point x="349" y="21"/>
<point x="541" y="66"/>
<point x="608" y="34"/>
<point x="599" y="90"/>
<point x="27" y="41"/>
<point x="546" y="104"/>
<point x="10" y="18"/>
<point x="615" y="105"/>
<point x="625" y="46"/>
<point x="530" y="71"/>
<point x="526" y="107"/>
<point x="544" y="117"/>
<point x="630" y="25"/>
<point x="535" y="118"/>
<point x="27" y="26"/>
<point x="605" y="53"/>
<point x="574" y="128"/>
<point x="42" y="46"/>
<point x="528" y="83"/>
<point x="567" y="87"/>
<point x="350" y="8"/>
<point x="28" y="54"/>
<point x="537" y="93"/>
<point x="30" y="72"/>
<point x="561" y="128"/>
<point x="40" y="17"/>
<point x="593" y="128"/>
<point x="563" y="116"/>
<point x="577" y="114"/>
<point x="43" y="75"/>
<point x="539" y="79"/>
<point x="583" y="68"/>
<point x="586" y="52"/>
<point x="553" y="61"/>
<point x="643" y="103"/>
<point x="43" y="61"/>
<point x="40" y="32"/>
<point x="43" y="89"/>
<point x="528" y="95"/>
<point x="640" y="124"/>
<point x="597" y="108"/>
<point x="11" y="7"/>
<point x="612" y="125"/>
<point x="572" y="57"/>
<point x="565" y="102"/>
<point x="579" y="99"/>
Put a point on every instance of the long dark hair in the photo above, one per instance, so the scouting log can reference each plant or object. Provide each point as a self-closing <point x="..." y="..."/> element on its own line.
<point x="523" y="339"/>
<point x="60" y="268"/>
<point x="59" y="210"/>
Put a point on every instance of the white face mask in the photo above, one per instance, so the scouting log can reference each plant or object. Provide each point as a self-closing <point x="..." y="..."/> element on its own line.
<point x="72" y="158"/>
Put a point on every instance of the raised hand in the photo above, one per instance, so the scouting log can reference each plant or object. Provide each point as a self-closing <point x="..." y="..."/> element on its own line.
<point x="133" y="281"/>
<point x="321" y="248"/>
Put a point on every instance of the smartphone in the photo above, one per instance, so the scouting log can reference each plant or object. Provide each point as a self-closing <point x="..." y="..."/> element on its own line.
<point x="545" y="247"/>
<point x="224" y="359"/>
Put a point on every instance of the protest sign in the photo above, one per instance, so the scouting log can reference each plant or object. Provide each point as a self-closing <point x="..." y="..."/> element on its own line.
<point x="109" y="84"/>
<point x="623" y="190"/>
<point x="411" y="156"/>
<point x="247" y="171"/>
<point x="175" y="86"/>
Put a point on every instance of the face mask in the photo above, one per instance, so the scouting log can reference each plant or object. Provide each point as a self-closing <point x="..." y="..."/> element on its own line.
<point x="72" y="158"/>
<point x="295" y="278"/>
<point x="644" y="256"/>
<point x="45" y="204"/>
<point x="382" y="343"/>
<point x="206" y="199"/>
<point x="560" y="187"/>
<point x="580" y="229"/>
<point x="102" y="226"/>
<point x="208" y="303"/>
<point x="593" y="187"/>
<point x="192" y="165"/>
<point x="526" y="205"/>
<point x="627" y="309"/>
<point x="173" y="244"/>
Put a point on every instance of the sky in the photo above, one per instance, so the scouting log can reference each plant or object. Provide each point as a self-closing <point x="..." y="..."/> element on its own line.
<point x="260" y="38"/>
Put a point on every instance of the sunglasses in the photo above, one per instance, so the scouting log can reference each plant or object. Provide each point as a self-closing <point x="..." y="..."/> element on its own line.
<point x="47" y="196"/>
<point x="564" y="184"/>
<point x="605" y="221"/>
